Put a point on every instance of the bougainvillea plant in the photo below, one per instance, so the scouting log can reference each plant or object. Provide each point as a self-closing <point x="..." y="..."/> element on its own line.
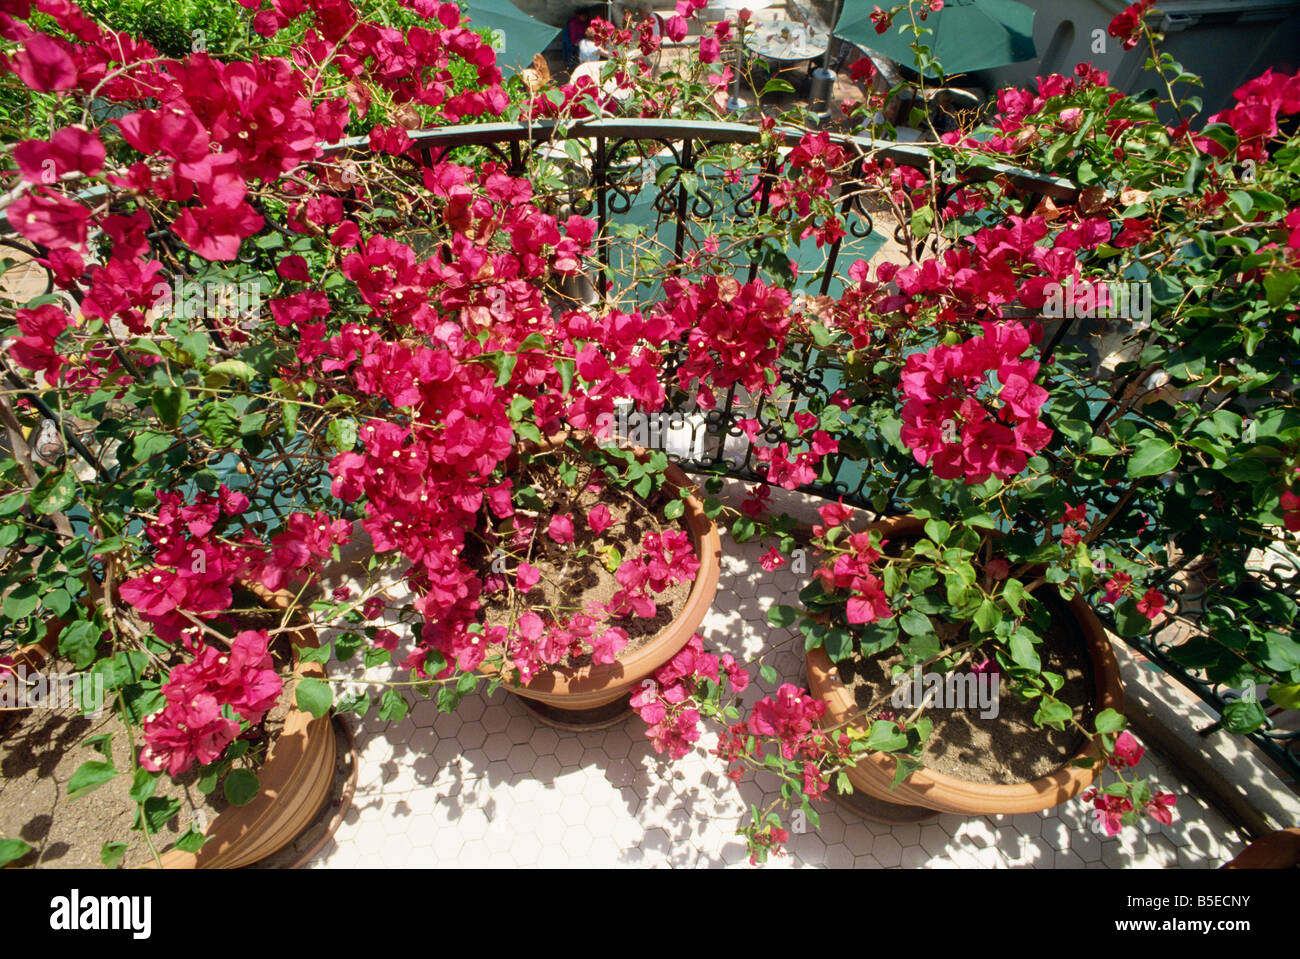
<point x="393" y="348"/>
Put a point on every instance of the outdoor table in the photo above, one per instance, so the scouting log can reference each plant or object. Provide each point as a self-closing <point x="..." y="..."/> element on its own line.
<point x="787" y="41"/>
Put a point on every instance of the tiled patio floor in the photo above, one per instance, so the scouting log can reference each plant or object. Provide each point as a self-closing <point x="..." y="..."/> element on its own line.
<point x="489" y="785"/>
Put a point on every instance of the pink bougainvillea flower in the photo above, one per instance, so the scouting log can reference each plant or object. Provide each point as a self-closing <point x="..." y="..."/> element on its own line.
<point x="560" y="529"/>
<point x="599" y="519"/>
<point x="526" y="577"/>
<point x="1126" y="25"/>
<point x="1291" y="511"/>
<point x="1151" y="604"/>
<point x="215" y="232"/>
<point x="45" y="65"/>
<point x="863" y="70"/>
<point x="606" y="647"/>
<point x="70" y="150"/>
<point x="1117" y="586"/>
<point x="184" y="733"/>
<point x="1109" y="810"/>
<point x="1128" y="752"/>
<point x="772" y="560"/>
<point x="1160" y="808"/>
<point x="49" y="219"/>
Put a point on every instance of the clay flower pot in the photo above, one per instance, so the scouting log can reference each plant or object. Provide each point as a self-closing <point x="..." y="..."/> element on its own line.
<point x="293" y="782"/>
<point x="599" y="684"/>
<point x="933" y="790"/>
<point x="1277" y="850"/>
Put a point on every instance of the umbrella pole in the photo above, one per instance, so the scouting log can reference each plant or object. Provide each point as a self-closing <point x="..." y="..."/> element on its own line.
<point x="830" y="38"/>
<point x="735" y="104"/>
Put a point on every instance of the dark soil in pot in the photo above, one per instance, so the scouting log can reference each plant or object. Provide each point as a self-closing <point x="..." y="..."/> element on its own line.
<point x="576" y="575"/>
<point x="41" y="748"/>
<point x="1007" y="748"/>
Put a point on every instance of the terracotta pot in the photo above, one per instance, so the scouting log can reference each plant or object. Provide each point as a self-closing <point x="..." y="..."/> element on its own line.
<point x="294" y="780"/>
<point x="598" y="684"/>
<point x="1277" y="850"/>
<point x="934" y="790"/>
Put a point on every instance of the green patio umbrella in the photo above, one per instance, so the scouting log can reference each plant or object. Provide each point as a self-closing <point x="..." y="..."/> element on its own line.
<point x="967" y="34"/>
<point x="519" y="37"/>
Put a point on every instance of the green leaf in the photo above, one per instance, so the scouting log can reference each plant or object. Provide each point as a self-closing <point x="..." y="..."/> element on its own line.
<point x="768" y="673"/>
<point x="358" y="703"/>
<point x="102" y="744"/>
<point x="191" y="840"/>
<point x="1243" y="716"/>
<point x="22" y="600"/>
<point x="1154" y="456"/>
<point x="111" y="853"/>
<point x="208" y="780"/>
<point x="393" y="706"/>
<point x="782" y="616"/>
<point x="169" y="404"/>
<point x="1286" y="695"/>
<point x="1278" y="286"/>
<point x="777" y="85"/>
<point x="506" y="368"/>
<point x="79" y="642"/>
<point x="1013" y="592"/>
<point x="89" y="777"/>
<point x="1052" y="712"/>
<point x="342" y="433"/>
<point x="988" y="615"/>
<point x="674" y="509"/>
<point x="838" y="643"/>
<point x="314" y="696"/>
<point x="143" y="784"/>
<point x="1023" y="652"/>
<point x="937" y="530"/>
<point x="240" y="787"/>
<point x="156" y="813"/>
<point x="915" y="623"/>
<point x="1128" y="620"/>
<point x="1100" y="446"/>
<point x="1109" y="721"/>
<point x="232" y="369"/>
<point x="11" y="850"/>
<point x="886" y="736"/>
<point x="55" y="492"/>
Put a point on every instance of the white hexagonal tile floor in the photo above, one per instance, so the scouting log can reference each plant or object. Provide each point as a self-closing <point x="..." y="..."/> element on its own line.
<point x="491" y="786"/>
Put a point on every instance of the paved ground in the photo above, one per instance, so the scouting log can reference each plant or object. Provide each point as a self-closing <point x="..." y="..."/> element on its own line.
<point x="490" y="786"/>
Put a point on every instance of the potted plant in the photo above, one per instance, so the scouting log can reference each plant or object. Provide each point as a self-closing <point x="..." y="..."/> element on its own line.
<point x="603" y="558"/>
